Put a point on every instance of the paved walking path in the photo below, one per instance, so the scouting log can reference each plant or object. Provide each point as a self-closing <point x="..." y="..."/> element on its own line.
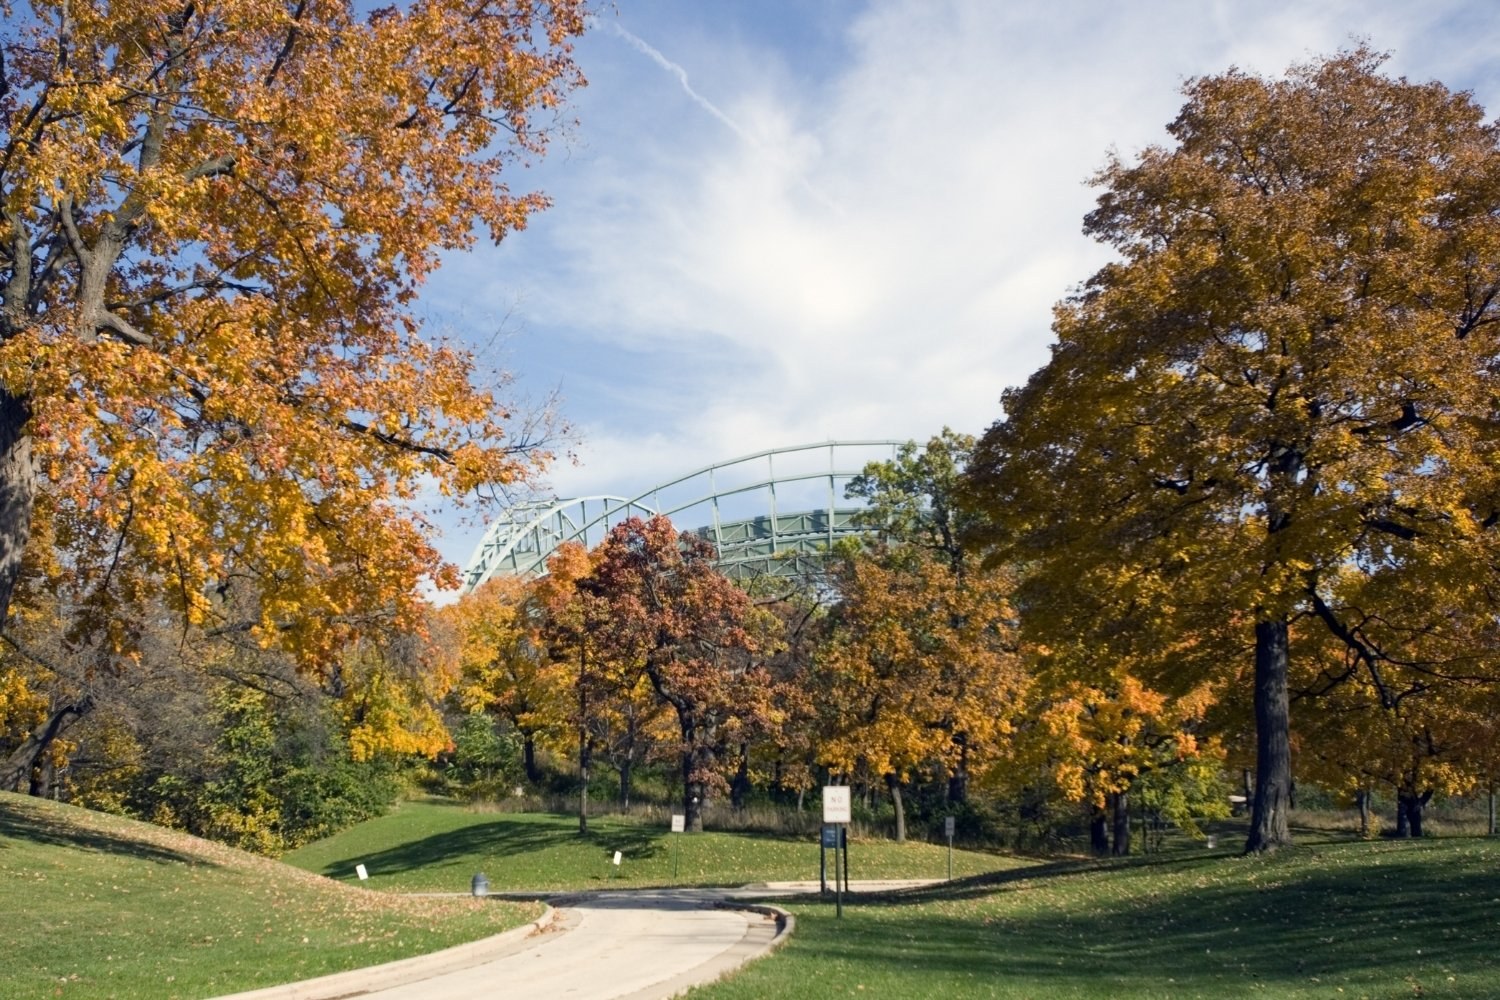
<point x="628" y="944"/>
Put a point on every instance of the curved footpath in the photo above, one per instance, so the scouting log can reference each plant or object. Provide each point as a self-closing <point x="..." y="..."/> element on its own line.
<point x="645" y="944"/>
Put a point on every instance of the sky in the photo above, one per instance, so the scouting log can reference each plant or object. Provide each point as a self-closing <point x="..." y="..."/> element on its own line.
<point x="777" y="222"/>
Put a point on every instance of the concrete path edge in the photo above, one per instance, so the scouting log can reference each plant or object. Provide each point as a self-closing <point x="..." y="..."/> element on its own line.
<point x="398" y="973"/>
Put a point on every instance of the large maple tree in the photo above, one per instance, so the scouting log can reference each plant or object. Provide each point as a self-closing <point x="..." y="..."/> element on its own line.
<point x="1287" y="375"/>
<point x="699" y="639"/>
<point x="215" y="219"/>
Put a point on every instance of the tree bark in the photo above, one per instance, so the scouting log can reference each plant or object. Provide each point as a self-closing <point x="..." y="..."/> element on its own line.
<point x="894" y="784"/>
<point x="1269" y="828"/>
<point x="1098" y="831"/>
<point x="958" y="781"/>
<point x="739" y="789"/>
<point x="17" y="494"/>
<point x="1120" y="802"/>
<point x="16" y="773"/>
<point x="693" y="787"/>
<point x="1362" y="800"/>
<point x="1409" y="807"/>
<point x="528" y="759"/>
<point x="585" y="766"/>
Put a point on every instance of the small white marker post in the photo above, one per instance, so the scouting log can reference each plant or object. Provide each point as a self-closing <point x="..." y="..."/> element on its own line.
<point x="679" y="825"/>
<point x="361" y="872"/>
<point x="837" y="810"/>
<point x="617" y="863"/>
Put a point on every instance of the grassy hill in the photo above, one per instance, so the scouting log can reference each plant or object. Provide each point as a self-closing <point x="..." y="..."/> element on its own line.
<point x="439" y="846"/>
<point x="1381" y="919"/>
<point x="103" y="907"/>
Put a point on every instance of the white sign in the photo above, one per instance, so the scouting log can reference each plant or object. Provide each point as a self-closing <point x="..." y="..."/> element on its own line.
<point x="836" y="804"/>
<point x="679" y="823"/>
<point x="948" y="827"/>
<point x="617" y="859"/>
<point x="360" y="871"/>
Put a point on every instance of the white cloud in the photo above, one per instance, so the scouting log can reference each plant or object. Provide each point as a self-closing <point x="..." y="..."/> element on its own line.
<point x="758" y="248"/>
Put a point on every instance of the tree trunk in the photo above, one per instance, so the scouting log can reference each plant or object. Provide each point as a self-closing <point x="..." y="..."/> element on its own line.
<point x="1492" y="810"/>
<point x="528" y="759"/>
<point x="626" y="767"/>
<point x="958" y="780"/>
<point x="17" y="773"/>
<point x="1362" y="800"/>
<point x="739" y="789"/>
<point x="17" y="494"/>
<point x="1273" y="755"/>
<point x="1120" y="801"/>
<point x="1098" y="831"/>
<point x="692" y="806"/>
<point x="585" y="766"/>
<point x="693" y="788"/>
<point x="1409" y="806"/>
<point x="894" y="784"/>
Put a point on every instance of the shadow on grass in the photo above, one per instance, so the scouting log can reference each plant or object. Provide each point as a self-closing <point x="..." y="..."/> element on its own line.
<point x="499" y="838"/>
<point x="38" y="828"/>
<point x="1419" y="918"/>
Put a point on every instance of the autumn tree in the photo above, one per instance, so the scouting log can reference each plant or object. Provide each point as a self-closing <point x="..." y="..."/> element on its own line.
<point x="213" y="223"/>
<point x="504" y="662"/>
<point x="924" y="539"/>
<point x="1423" y="728"/>
<point x="1287" y="372"/>
<point x="697" y="636"/>
<point x="919" y="668"/>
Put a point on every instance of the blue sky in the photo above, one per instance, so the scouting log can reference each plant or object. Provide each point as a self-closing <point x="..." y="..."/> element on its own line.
<point x="782" y="222"/>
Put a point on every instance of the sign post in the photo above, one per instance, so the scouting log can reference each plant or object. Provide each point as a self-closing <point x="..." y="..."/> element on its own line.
<point x="837" y="811"/>
<point x="948" y="830"/>
<point x="679" y="825"/>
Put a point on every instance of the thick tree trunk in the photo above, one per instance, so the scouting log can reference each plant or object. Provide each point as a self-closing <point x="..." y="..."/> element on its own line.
<point x="18" y="772"/>
<point x="1269" y="828"/>
<point x="1409" y="807"/>
<point x="894" y="784"/>
<point x="626" y="767"/>
<point x="17" y="494"/>
<point x="1098" y="831"/>
<point x="692" y="794"/>
<point x="1362" y="800"/>
<point x="1120" y="802"/>
<point x="694" y="790"/>
<point x="528" y="759"/>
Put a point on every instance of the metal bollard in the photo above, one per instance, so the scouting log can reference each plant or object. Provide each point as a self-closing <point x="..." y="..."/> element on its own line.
<point x="481" y="885"/>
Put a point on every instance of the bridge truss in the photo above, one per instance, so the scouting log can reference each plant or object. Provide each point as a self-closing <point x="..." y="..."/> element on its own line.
<point x="774" y="512"/>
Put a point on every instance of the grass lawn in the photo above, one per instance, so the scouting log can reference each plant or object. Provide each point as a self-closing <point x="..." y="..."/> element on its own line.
<point x="1345" y="920"/>
<point x="103" y="907"/>
<point x="439" y="846"/>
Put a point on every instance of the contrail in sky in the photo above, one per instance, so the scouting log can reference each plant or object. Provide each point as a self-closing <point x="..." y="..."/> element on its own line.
<point x="648" y="50"/>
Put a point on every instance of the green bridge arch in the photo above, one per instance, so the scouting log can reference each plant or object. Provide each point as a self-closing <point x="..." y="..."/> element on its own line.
<point x="771" y="512"/>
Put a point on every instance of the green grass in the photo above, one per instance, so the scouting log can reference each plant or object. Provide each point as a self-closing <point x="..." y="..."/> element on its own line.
<point x="439" y="846"/>
<point x="1345" y="920"/>
<point x="107" y="908"/>
<point x="103" y="907"/>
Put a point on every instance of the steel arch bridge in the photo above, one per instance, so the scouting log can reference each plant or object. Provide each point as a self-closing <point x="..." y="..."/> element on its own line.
<point x="773" y="512"/>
